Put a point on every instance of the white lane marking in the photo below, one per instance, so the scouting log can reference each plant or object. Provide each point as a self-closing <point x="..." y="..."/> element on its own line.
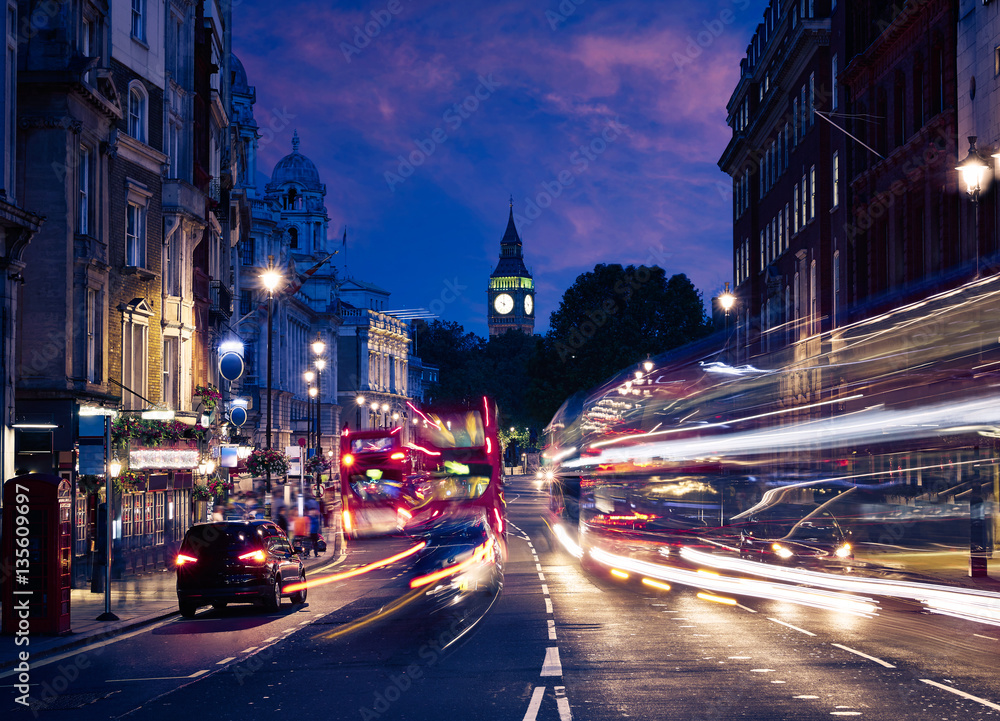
<point x="988" y="638"/>
<point x="248" y="650"/>
<point x="687" y="627"/>
<point x="225" y="660"/>
<point x="46" y="661"/>
<point x="562" y="703"/>
<point x="548" y="605"/>
<point x="864" y="655"/>
<point x="963" y="694"/>
<point x="552" y="630"/>
<point x="535" y="703"/>
<point x="805" y="696"/>
<point x="762" y="670"/>
<point x="779" y="682"/>
<point x="551" y="666"/>
<point x="196" y="674"/>
<point x="845" y="713"/>
<point x="794" y="628"/>
<point x="151" y="678"/>
<point x="538" y="567"/>
<point x="545" y="589"/>
<point x="740" y="605"/>
<point x="268" y="640"/>
<point x="741" y="658"/>
<point x="541" y="576"/>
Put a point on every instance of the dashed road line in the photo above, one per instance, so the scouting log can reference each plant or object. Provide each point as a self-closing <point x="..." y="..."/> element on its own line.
<point x="548" y="605"/>
<point x="745" y="608"/>
<point x="988" y="638"/>
<point x="552" y="630"/>
<point x="545" y="589"/>
<point x="536" y="703"/>
<point x="225" y="661"/>
<point x="538" y="567"/>
<point x="963" y="694"/>
<point x="562" y="704"/>
<point x="794" y="628"/>
<point x="269" y="640"/>
<point x="248" y="650"/>
<point x="541" y="576"/>
<point x="551" y="666"/>
<point x="865" y="655"/>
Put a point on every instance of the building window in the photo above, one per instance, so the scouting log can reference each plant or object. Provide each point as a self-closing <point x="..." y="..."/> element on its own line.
<point x="833" y="82"/>
<point x="836" y="284"/>
<point x="135" y="236"/>
<point x="804" y="201"/>
<point x="762" y="262"/>
<point x="247" y="254"/>
<point x="813" y="308"/>
<point x="805" y="113"/>
<point x="135" y="336"/>
<point x="786" y="227"/>
<point x="83" y="180"/>
<point x="246" y="302"/>
<point x="137" y="112"/>
<point x="788" y="138"/>
<point x="795" y="205"/>
<point x="173" y="263"/>
<point x="812" y="98"/>
<point x="812" y="192"/>
<point x="899" y="112"/>
<point x="171" y="371"/>
<point x="139" y="19"/>
<point x="795" y="120"/>
<point x="93" y="357"/>
<point x="835" y="196"/>
<point x="293" y="236"/>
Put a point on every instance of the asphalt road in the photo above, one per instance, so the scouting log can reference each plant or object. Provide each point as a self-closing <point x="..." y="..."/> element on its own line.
<point x="556" y="643"/>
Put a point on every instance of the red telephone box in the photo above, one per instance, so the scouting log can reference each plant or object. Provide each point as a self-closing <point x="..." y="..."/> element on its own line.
<point x="37" y="526"/>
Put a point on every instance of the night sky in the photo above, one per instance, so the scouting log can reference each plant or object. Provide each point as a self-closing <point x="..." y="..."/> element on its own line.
<point x="623" y="100"/>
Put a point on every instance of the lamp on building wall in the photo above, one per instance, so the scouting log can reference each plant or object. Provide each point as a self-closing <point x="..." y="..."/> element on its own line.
<point x="270" y="278"/>
<point x="973" y="171"/>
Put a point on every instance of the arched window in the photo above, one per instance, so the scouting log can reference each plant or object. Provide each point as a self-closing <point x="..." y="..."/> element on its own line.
<point x="293" y="235"/>
<point x="137" y="100"/>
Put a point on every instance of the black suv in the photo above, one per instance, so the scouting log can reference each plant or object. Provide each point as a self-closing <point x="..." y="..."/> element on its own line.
<point x="236" y="562"/>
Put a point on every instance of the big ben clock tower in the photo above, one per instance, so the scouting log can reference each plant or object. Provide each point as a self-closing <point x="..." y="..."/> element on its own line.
<point x="512" y="290"/>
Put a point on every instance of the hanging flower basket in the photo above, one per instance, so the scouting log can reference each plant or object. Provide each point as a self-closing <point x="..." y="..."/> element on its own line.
<point x="218" y="487"/>
<point x="89" y="485"/>
<point x="151" y="433"/>
<point x="210" y="396"/>
<point x="260" y="462"/>
<point x="200" y="492"/>
<point x="130" y="482"/>
<point x="317" y="464"/>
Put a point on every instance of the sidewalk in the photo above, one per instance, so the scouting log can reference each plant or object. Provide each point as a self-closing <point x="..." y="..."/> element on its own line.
<point x="947" y="566"/>
<point x="137" y="601"/>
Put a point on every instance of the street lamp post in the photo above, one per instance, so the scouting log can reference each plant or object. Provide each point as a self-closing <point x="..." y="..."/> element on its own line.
<point x="360" y="400"/>
<point x="270" y="278"/>
<point x="385" y="414"/>
<point x="318" y="348"/>
<point x="727" y="300"/>
<point x="309" y="377"/>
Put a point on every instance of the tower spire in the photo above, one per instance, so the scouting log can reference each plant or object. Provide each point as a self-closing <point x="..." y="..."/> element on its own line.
<point x="295" y="141"/>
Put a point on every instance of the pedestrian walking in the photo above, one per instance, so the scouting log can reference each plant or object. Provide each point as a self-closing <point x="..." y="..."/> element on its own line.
<point x="314" y="531"/>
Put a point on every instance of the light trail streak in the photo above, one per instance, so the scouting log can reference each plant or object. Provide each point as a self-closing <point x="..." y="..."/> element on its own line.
<point x="323" y="580"/>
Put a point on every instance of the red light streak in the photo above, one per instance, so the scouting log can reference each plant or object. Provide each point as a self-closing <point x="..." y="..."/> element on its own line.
<point x="486" y="412"/>
<point x="182" y="559"/>
<point x="484" y="553"/>
<point x="354" y="572"/>
<point x="420" y="448"/>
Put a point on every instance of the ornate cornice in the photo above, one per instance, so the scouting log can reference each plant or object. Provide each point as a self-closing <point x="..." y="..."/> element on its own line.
<point x="50" y="122"/>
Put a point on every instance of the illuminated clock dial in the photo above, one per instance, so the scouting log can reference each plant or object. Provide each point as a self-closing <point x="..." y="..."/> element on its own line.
<point x="503" y="303"/>
<point x="529" y="304"/>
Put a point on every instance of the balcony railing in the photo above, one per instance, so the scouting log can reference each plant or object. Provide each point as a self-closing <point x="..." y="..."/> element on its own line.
<point x="221" y="299"/>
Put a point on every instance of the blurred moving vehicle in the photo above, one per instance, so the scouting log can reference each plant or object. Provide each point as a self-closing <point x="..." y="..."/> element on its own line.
<point x="457" y="469"/>
<point x="236" y="562"/>
<point x="795" y="535"/>
<point x="303" y="544"/>
<point x="373" y="466"/>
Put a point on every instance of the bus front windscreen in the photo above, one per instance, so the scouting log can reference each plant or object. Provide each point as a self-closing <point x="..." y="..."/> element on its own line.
<point x="453" y="430"/>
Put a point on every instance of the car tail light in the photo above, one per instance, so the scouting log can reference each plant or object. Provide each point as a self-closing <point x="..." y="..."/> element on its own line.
<point x="398" y="456"/>
<point x="257" y="556"/>
<point x="347" y="460"/>
<point x="183" y="558"/>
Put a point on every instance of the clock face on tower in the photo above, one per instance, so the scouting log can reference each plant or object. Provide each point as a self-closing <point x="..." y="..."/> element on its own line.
<point x="529" y="304"/>
<point x="503" y="303"/>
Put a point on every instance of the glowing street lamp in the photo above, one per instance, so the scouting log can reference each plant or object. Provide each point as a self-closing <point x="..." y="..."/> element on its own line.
<point x="270" y="278"/>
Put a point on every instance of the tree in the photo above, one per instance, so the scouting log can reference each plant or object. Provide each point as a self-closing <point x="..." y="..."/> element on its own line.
<point x="608" y="319"/>
<point x="457" y="354"/>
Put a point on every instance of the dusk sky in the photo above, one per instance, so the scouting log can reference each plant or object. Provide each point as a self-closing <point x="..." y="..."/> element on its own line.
<point x="652" y="76"/>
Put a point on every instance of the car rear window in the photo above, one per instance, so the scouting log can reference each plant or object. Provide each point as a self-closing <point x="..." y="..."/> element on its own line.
<point x="222" y="538"/>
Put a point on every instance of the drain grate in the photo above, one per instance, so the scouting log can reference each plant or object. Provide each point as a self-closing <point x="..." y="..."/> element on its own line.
<point x="68" y="701"/>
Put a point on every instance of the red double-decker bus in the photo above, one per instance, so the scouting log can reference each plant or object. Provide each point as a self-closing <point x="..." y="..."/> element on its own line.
<point x="374" y="466"/>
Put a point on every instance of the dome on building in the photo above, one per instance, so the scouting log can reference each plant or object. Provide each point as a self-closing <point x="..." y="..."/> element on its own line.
<point x="240" y="83"/>
<point x="296" y="168"/>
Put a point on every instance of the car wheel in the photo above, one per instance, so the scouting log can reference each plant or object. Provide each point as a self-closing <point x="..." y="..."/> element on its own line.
<point x="188" y="609"/>
<point x="219" y="605"/>
<point x="273" y="599"/>
<point x="300" y="596"/>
